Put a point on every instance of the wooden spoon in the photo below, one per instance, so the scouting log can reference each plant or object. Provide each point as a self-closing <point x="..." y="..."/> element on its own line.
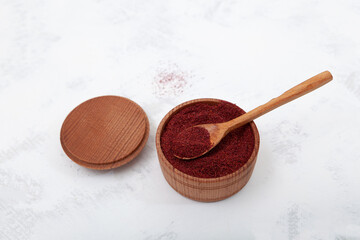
<point x="217" y="131"/>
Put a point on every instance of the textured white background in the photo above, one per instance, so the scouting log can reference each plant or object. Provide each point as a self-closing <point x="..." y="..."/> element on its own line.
<point x="57" y="54"/>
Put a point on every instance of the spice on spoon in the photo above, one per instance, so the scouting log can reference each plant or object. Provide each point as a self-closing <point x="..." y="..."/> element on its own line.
<point x="191" y="142"/>
<point x="227" y="157"/>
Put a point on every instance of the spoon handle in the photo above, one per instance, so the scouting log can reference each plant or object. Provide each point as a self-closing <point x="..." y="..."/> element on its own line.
<point x="291" y="94"/>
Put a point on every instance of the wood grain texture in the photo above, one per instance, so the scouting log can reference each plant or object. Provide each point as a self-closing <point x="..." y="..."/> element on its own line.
<point x="205" y="189"/>
<point x="105" y="132"/>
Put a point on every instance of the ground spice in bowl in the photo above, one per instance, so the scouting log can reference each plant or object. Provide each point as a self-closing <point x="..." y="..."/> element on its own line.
<point x="227" y="157"/>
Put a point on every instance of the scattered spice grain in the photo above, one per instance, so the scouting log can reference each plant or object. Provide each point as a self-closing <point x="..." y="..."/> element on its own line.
<point x="170" y="81"/>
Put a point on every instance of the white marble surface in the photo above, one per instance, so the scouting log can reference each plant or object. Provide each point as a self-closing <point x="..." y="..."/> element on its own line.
<point x="56" y="54"/>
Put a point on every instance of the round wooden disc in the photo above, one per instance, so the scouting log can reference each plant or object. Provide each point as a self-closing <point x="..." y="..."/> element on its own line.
<point x="105" y="132"/>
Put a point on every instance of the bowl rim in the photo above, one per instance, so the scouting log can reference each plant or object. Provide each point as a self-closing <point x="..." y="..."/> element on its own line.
<point x="161" y="155"/>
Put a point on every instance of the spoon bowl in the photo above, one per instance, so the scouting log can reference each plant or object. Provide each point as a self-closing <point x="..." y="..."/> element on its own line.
<point x="216" y="133"/>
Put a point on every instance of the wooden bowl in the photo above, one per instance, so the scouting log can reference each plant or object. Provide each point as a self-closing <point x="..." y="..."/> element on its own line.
<point x="205" y="189"/>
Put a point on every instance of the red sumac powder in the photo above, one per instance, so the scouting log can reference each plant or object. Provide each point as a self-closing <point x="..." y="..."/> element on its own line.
<point x="191" y="142"/>
<point x="227" y="157"/>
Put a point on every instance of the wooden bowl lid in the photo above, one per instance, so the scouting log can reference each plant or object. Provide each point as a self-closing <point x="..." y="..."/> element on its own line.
<point x="105" y="132"/>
